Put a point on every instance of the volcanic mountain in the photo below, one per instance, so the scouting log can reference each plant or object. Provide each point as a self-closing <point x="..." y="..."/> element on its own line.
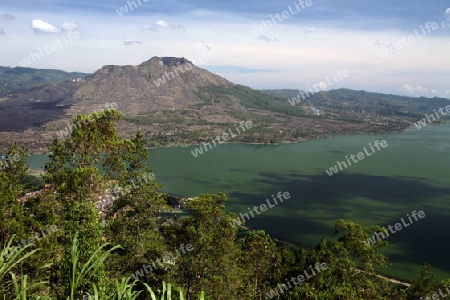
<point x="172" y="101"/>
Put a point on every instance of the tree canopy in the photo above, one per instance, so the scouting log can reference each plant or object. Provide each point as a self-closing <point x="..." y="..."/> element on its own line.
<point x="101" y="227"/>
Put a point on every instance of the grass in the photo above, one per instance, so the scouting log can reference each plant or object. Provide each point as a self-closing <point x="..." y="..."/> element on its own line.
<point x="18" y="286"/>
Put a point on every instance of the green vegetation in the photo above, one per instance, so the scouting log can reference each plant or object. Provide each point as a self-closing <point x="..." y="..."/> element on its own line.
<point x="163" y="117"/>
<point x="249" y="98"/>
<point x="95" y="256"/>
<point x="19" y="78"/>
<point x="173" y="128"/>
<point x="362" y="106"/>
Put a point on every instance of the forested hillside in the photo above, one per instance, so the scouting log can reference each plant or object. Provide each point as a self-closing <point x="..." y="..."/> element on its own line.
<point x="101" y="229"/>
<point x="19" y="78"/>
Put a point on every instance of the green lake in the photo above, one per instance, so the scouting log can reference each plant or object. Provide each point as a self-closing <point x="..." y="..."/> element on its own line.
<point x="411" y="173"/>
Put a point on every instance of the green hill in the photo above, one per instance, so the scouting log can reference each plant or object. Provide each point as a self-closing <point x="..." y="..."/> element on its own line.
<point x="19" y="78"/>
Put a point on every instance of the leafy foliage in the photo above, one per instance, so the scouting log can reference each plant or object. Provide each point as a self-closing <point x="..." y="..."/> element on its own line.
<point x="78" y="259"/>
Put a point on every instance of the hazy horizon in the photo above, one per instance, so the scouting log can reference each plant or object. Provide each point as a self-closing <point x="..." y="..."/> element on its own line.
<point x="395" y="48"/>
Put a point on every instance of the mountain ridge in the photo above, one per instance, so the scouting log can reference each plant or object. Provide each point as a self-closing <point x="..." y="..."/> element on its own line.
<point x="20" y="78"/>
<point x="172" y="101"/>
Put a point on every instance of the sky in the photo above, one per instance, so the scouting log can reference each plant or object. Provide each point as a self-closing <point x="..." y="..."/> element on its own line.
<point x="396" y="47"/>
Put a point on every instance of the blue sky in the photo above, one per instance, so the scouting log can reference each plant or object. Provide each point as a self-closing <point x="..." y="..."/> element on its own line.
<point x="399" y="47"/>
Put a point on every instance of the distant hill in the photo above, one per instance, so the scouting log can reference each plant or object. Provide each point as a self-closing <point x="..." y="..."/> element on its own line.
<point x="362" y="106"/>
<point x="171" y="101"/>
<point x="19" y="78"/>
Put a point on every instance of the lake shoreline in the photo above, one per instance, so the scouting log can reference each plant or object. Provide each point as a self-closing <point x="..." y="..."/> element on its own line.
<point x="327" y="136"/>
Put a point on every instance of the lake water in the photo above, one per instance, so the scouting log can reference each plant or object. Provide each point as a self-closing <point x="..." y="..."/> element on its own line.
<point x="411" y="173"/>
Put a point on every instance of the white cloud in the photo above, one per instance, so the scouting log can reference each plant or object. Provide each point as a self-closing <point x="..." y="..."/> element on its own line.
<point x="420" y="90"/>
<point x="128" y="43"/>
<point x="150" y="28"/>
<point x="2" y="31"/>
<point x="164" y="24"/>
<point x="308" y="30"/>
<point x="300" y="59"/>
<point x="177" y="27"/>
<point x="42" y="26"/>
<point x="7" y="17"/>
<point x="267" y="38"/>
<point x="68" y="26"/>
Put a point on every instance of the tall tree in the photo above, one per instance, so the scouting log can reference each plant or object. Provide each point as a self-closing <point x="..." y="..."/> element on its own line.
<point x="213" y="264"/>
<point x="423" y="285"/>
<point x="13" y="168"/>
<point x="132" y="220"/>
<point x="260" y="257"/>
<point x="74" y="176"/>
<point x="351" y="263"/>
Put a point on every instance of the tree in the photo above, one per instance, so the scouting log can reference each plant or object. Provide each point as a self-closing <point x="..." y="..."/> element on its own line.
<point x="260" y="257"/>
<point x="133" y="217"/>
<point x="350" y="272"/>
<point x="423" y="284"/>
<point x="213" y="264"/>
<point x="15" y="165"/>
<point x="74" y="176"/>
<point x="12" y="217"/>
